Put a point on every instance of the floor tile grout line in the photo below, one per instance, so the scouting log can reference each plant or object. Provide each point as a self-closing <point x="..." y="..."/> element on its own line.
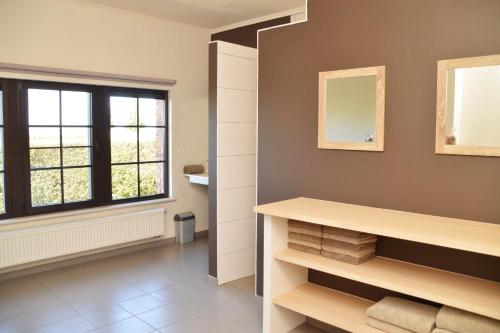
<point x="173" y="323"/>
<point x="135" y="316"/>
<point x="140" y="313"/>
<point x="77" y="313"/>
<point x="30" y="312"/>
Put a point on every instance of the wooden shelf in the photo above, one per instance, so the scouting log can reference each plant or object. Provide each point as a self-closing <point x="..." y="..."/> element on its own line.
<point x="460" y="291"/>
<point x="307" y="328"/>
<point x="285" y="282"/>
<point x="448" y="232"/>
<point x="329" y="306"/>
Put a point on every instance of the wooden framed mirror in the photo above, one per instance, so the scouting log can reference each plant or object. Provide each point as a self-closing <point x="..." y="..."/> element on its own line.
<point x="351" y="109"/>
<point x="468" y="106"/>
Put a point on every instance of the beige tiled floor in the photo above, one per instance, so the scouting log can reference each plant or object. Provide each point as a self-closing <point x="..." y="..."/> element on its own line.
<point x="163" y="289"/>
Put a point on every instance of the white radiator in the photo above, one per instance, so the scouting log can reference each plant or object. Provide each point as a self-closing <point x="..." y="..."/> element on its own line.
<point x="38" y="243"/>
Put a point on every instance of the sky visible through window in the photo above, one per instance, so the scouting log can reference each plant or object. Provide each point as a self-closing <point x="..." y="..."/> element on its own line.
<point x="43" y="108"/>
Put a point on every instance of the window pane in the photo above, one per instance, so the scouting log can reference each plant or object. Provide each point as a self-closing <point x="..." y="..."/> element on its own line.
<point x="76" y="136"/>
<point x="151" y="112"/>
<point x="123" y="145"/>
<point x="1" y="107"/>
<point x="44" y="137"/>
<point x="124" y="181"/>
<point x="77" y="184"/>
<point x="152" y="179"/>
<point x="45" y="187"/>
<point x="45" y="158"/>
<point x="123" y="111"/>
<point x="76" y="156"/>
<point x="75" y="108"/>
<point x="2" y="196"/>
<point x="43" y="107"/>
<point x="152" y="144"/>
<point x="1" y="147"/>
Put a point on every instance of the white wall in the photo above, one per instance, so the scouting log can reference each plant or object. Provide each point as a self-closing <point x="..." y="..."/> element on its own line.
<point x="71" y="34"/>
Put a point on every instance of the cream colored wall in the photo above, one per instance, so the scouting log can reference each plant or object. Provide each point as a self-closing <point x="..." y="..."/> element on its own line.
<point x="72" y="34"/>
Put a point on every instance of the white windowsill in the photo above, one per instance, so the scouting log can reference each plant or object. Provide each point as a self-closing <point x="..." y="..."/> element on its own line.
<point x="84" y="211"/>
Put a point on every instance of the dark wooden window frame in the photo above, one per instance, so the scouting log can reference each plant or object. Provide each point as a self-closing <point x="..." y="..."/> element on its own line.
<point x="3" y="89"/>
<point x="17" y="187"/>
<point x="121" y="92"/>
<point x="26" y="149"/>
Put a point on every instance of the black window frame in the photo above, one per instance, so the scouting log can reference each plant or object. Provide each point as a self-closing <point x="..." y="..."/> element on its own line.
<point x="142" y="93"/>
<point x="17" y="188"/>
<point x="5" y="91"/>
<point x="30" y="209"/>
<point x="12" y="142"/>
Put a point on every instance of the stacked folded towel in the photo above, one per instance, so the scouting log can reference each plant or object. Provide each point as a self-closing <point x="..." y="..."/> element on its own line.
<point x="193" y="169"/>
<point x="451" y="320"/>
<point x="304" y="236"/>
<point x="396" y="315"/>
<point x="349" y="246"/>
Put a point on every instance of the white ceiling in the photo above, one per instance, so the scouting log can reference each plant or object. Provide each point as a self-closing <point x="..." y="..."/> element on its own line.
<point x="205" y="13"/>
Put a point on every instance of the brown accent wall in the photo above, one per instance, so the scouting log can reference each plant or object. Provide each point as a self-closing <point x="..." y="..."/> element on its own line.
<point x="247" y="35"/>
<point x="408" y="37"/>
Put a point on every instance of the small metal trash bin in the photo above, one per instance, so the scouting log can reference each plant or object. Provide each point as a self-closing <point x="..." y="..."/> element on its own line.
<point x="184" y="227"/>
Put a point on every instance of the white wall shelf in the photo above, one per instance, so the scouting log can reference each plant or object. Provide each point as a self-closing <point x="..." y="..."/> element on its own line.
<point x="201" y="179"/>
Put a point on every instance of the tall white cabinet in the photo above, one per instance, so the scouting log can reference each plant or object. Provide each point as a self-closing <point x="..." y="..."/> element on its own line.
<point x="232" y="164"/>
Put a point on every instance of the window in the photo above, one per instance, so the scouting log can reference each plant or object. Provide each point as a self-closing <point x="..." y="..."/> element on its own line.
<point x="138" y="146"/>
<point x="60" y="152"/>
<point x="76" y="146"/>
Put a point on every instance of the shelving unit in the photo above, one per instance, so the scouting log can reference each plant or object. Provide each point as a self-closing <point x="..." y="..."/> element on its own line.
<point x="442" y="231"/>
<point x="456" y="290"/>
<point x="289" y="298"/>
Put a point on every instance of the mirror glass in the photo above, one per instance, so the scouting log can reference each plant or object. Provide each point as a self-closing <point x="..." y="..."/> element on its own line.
<point x="351" y="109"/>
<point x="473" y="107"/>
